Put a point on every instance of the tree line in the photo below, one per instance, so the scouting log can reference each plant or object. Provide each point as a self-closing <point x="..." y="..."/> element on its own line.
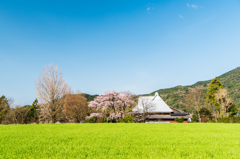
<point x="215" y="105"/>
<point x="56" y="102"/>
<point x="17" y="115"/>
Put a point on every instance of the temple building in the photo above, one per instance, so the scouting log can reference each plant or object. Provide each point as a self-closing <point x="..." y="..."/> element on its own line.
<point x="157" y="111"/>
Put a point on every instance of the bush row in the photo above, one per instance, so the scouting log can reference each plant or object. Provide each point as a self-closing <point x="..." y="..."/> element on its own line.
<point x="229" y="120"/>
<point x="126" y="119"/>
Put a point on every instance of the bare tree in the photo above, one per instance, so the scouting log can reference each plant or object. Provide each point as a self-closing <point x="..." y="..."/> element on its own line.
<point x="75" y="107"/>
<point x="51" y="88"/>
<point x="18" y="115"/>
<point x="194" y="100"/>
<point x="144" y="107"/>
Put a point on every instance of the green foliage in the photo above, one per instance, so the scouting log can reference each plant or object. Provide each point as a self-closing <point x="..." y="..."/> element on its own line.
<point x="88" y="96"/>
<point x="232" y="110"/>
<point x="4" y="108"/>
<point x="105" y="120"/>
<point x="213" y="88"/>
<point x="120" y="141"/>
<point x="127" y="119"/>
<point x="91" y="120"/>
<point x="204" y="112"/>
<point x="224" y="120"/>
<point x="32" y="115"/>
<point x="194" y="118"/>
<point x="113" y="121"/>
<point x="212" y="121"/>
<point x="100" y="120"/>
<point x="179" y="120"/>
<point x="110" y="121"/>
<point x="235" y="119"/>
<point x="229" y="120"/>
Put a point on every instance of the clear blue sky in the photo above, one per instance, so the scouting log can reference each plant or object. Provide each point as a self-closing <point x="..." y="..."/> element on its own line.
<point x="134" y="45"/>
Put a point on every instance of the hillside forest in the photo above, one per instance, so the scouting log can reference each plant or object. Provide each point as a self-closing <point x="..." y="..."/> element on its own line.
<point x="174" y="96"/>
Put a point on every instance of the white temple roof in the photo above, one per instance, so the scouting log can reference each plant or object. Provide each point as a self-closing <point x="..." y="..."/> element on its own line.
<point x="155" y="102"/>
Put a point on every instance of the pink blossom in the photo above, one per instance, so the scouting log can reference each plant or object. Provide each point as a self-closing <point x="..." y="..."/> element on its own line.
<point x="113" y="102"/>
<point x="94" y="115"/>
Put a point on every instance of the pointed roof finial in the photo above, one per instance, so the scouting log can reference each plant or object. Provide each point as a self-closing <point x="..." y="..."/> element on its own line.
<point x="156" y="94"/>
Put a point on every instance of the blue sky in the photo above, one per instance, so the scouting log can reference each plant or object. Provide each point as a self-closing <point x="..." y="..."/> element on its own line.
<point x="136" y="45"/>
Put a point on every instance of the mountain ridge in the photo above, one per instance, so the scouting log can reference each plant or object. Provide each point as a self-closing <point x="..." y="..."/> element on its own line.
<point x="230" y="80"/>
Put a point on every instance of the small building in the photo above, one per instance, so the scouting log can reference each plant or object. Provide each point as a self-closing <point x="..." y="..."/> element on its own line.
<point x="157" y="110"/>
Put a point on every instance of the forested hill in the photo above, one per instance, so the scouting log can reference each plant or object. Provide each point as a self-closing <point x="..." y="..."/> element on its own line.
<point x="230" y="80"/>
<point x="174" y="96"/>
<point x="88" y="96"/>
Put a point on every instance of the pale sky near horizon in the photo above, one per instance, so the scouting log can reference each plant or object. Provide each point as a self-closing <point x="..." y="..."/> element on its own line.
<point x="138" y="45"/>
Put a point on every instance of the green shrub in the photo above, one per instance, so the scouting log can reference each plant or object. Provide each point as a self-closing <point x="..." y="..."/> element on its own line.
<point x="224" y="120"/>
<point x="212" y="121"/>
<point x="205" y="114"/>
<point x="105" y="120"/>
<point x="179" y="120"/>
<point x="194" y="118"/>
<point x="91" y="120"/>
<point x="100" y="120"/>
<point x="236" y="119"/>
<point x="109" y="120"/>
<point x="127" y="119"/>
<point x="229" y="120"/>
<point x="113" y="121"/>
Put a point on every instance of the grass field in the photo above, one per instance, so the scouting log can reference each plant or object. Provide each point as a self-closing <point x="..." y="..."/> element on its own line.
<point x="120" y="141"/>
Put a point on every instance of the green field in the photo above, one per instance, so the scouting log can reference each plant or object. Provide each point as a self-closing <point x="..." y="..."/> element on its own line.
<point x="154" y="140"/>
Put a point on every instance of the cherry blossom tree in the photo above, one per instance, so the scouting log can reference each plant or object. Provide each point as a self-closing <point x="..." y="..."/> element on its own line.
<point x="112" y="104"/>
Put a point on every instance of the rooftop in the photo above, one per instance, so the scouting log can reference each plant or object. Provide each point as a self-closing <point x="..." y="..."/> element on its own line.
<point x="154" y="104"/>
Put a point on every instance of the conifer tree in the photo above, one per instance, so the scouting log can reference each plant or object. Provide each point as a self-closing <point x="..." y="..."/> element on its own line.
<point x="32" y="114"/>
<point x="4" y="107"/>
<point x="213" y="88"/>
